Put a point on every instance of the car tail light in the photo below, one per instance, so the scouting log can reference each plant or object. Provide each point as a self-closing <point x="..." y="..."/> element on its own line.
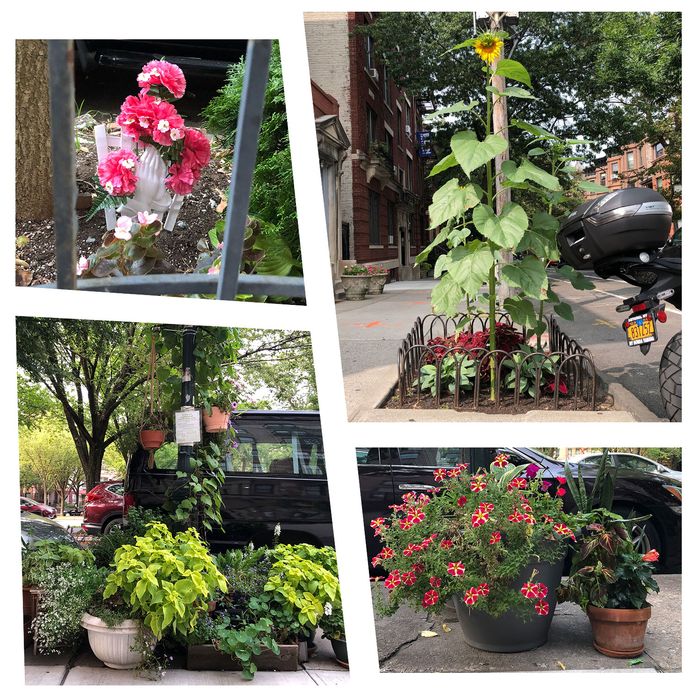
<point x="94" y="495"/>
<point x="675" y="491"/>
<point x="640" y="307"/>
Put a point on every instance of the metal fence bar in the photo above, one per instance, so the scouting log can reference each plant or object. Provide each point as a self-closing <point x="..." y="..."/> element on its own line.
<point x="65" y="188"/>
<point x="195" y="283"/>
<point x="244" y="155"/>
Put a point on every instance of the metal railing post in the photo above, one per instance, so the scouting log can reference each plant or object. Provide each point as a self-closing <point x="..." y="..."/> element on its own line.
<point x="65" y="189"/>
<point x="244" y="155"/>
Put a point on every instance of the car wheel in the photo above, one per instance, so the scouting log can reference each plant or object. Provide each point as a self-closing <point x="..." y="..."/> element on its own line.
<point x="116" y="524"/>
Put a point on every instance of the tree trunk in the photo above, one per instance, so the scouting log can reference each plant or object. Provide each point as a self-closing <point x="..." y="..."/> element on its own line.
<point x="33" y="188"/>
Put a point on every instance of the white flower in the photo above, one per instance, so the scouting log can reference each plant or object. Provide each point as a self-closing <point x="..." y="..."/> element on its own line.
<point x="327" y="609"/>
<point x="144" y="218"/>
<point x="109" y="186"/>
<point x="123" y="228"/>
<point x="128" y="163"/>
<point x="83" y="264"/>
<point x="176" y="134"/>
<point x="144" y="122"/>
<point x="163" y="126"/>
<point x="278" y="530"/>
<point x="143" y="77"/>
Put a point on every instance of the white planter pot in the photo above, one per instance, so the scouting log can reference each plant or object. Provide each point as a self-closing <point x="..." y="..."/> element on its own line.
<point x="113" y="646"/>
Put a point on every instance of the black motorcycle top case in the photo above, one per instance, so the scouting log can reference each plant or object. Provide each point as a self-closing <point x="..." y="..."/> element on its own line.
<point x="621" y="222"/>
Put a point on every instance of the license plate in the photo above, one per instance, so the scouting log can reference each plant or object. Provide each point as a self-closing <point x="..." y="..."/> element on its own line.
<point x="640" y="329"/>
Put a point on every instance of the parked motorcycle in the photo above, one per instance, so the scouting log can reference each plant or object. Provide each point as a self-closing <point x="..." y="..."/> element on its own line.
<point x="625" y="234"/>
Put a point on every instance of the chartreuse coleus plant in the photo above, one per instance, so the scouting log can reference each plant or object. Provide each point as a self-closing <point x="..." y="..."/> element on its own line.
<point x="465" y="205"/>
<point x="168" y="580"/>
<point x="473" y="537"/>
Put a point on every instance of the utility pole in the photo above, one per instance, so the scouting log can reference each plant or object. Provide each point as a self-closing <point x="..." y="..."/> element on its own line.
<point x="187" y="391"/>
<point x="500" y="126"/>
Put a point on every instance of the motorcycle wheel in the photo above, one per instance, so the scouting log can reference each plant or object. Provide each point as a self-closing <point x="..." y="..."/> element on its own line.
<point x="670" y="378"/>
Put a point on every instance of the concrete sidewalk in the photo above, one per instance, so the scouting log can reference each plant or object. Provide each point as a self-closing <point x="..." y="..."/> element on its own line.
<point x="403" y="649"/>
<point x="85" y="669"/>
<point x="370" y="333"/>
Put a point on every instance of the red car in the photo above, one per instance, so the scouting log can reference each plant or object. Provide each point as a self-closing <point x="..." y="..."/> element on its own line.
<point x="29" y="506"/>
<point x="104" y="508"/>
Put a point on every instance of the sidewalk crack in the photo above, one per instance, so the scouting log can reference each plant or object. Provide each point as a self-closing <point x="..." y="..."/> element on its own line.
<point x="405" y="644"/>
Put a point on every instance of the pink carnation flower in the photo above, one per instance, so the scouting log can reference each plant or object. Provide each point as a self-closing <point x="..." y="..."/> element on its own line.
<point x="198" y="146"/>
<point x="137" y="116"/>
<point x="165" y="120"/>
<point x="196" y="153"/>
<point x="117" y="172"/>
<point x="182" y="178"/>
<point x="163" y="73"/>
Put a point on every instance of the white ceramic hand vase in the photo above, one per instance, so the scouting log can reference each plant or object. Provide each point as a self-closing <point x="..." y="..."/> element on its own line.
<point x="150" y="194"/>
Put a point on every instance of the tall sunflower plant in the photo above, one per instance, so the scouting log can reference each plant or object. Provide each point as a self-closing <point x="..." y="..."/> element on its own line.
<point x="466" y="203"/>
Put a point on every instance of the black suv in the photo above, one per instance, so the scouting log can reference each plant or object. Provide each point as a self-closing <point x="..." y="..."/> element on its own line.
<point x="387" y="473"/>
<point x="277" y="475"/>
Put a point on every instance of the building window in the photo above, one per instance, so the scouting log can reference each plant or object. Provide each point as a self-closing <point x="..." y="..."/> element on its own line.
<point x="371" y="126"/>
<point x="369" y="48"/>
<point x="402" y="177"/>
<point x="615" y="170"/>
<point x="389" y="141"/>
<point x="409" y="175"/>
<point x="387" y="91"/>
<point x="390" y="222"/>
<point x="399" y="125"/>
<point x="603" y="178"/>
<point x="408" y="120"/>
<point x="630" y="160"/>
<point x="659" y="184"/>
<point x="374" y="236"/>
<point x="658" y="150"/>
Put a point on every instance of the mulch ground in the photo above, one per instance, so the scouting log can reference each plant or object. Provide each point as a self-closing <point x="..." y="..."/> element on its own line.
<point x="507" y="403"/>
<point x="35" y="250"/>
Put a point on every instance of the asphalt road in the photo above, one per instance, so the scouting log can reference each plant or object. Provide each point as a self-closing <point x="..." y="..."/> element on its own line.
<point x="598" y="327"/>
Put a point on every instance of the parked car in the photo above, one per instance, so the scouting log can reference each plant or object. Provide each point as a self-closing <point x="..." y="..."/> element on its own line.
<point x="29" y="505"/>
<point x="276" y="476"/>
<point x="104" y="508"/>
<point x="36" y="527"/>
<point x="387" y="473"/>
<point x="626" y="460"/>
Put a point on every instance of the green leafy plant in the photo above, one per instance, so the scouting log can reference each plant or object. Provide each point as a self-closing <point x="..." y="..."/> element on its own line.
<point x="354" y="270"/>
<point x="606" y="570"/>
<point x="202" y="502"/>
<point x="44" y="556"/>
<point x="603" y="491"/>
<point x="166" y="579"/>
<point x="482" y="241"/>
<point x="473" y="539"/>
<point x="246" y="641"/>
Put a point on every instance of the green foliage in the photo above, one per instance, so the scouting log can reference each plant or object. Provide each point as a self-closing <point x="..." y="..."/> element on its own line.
<point x="42" y="558"/>
<point x="272" y="197"/>
<point x="606" y="570"/>
<point x="166" y="579"/>
<point x="103" y="200"/>
<point x="480" y="529"/>
<point x="245" y="642"/>
<point x="602" y="493"/>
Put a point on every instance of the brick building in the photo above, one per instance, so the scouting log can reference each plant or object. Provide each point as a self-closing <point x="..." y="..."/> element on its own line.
<point x="381" y="215"/>
<point x="631" y="168"/>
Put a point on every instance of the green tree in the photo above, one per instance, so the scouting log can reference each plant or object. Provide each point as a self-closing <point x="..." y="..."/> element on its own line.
<point x="276" y="369"/>
<point x="90" y="368"/>
<point x="34" y="402"/>
<point x="272" y="197"/>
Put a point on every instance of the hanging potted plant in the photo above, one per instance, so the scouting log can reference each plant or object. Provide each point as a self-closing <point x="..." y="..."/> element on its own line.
<point x="219" y="401"/>
<point x="492" y="541"/>
<point x="153" y="431"/>
<point x="154" y="424"/>
<point x="610" y="580"/>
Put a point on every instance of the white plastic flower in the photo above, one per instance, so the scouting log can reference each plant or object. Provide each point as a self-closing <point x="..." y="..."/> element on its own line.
<point x="83" y="264"/>
<point x="164" y="126"/>
<point x="144" y="218"/>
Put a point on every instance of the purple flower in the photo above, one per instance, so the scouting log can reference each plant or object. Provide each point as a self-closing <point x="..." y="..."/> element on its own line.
<point x="234" y="405"/>
<point x="545" y="485"/>
<point x="235" y="445"/>
<point x="531" y="470"/>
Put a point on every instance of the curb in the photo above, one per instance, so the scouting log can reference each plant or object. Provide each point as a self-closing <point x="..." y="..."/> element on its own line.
<point x="625" y="400"/>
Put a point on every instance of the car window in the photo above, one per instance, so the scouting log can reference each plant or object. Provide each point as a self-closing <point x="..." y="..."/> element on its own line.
<point x="430" y="456"/>
<point x="278" y="449"/>
<point x="636" y="462"/>
<point x="117" y="489"/>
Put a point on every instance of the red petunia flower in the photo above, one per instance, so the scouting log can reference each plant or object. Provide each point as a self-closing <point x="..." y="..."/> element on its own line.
<point x="454" y="473"/>
<point x="440" y="474"/>
<point x="392" y="581"/>
<point x="529" y="518"/>
<point x="376" y="561"/>
<point x="561" y="480"/>
<point x="479" y="517"/>
<point x="517" y="483"/>
<point x="529" y="590"/>
<point x="462" y="501"/>
<point x="410" y="549"/>
<point x="471" y="596"/>
<point x="562" y="529"/>
<point x="495" y="537"/>
<point x="561" y="492"/>
<point x="455" y="568"/>
<point x="386" y="553"/>
<point x="547" y="518"/>
<point x="409" y="578"/>
<point x="486" y="507"/>
<point x="405" y="523"/>
<point x="430" y="598"/>
<point x="418" y="568"/>
<point x="542" y="590"/>
<point x="500" y="460"/>
<point x="435" y="581"/>
<point x="483" y="588"/>
<point x="476" y="485"/>
<point x="446" y="544"/>
<point x="542" y="607"/>
<point x="516" y="516"/>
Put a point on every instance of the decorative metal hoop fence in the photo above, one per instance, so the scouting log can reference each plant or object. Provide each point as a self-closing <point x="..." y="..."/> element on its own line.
<point x="566" y="366"/>
<point x="229" y="282"/>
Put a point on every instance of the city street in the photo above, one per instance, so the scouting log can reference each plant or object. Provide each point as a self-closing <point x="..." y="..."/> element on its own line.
<point x="371" y="331"/>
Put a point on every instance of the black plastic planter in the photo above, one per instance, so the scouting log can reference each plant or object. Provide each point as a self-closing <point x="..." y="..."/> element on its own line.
<point x="509" y="633"/>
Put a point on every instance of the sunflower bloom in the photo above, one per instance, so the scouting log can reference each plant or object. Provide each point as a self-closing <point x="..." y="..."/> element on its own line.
<point x="488" y="47"/>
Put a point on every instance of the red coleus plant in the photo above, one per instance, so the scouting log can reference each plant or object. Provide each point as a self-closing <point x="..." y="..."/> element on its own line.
<point x="472" y="539"/>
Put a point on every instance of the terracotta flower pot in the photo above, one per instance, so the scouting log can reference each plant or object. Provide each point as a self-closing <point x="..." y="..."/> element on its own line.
<point x="216" y="421"/>
<point x="619" y="633"/>
<point x="151" y="439"/>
